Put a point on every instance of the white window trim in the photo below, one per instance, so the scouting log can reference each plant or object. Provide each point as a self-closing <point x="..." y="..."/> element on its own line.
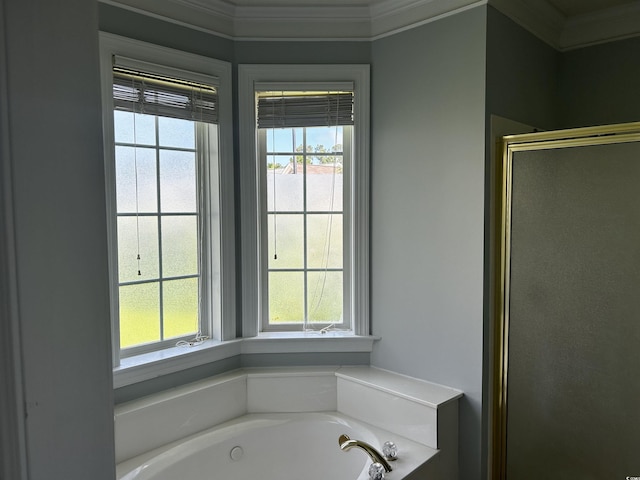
<point x="111" y="45"/>
<point x="249" y="76"/>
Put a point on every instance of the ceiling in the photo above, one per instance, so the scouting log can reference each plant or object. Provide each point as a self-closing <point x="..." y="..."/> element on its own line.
<point x="564" y="24"/>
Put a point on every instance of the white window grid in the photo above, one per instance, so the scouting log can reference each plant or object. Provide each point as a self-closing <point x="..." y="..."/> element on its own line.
<point x="344" y="322"/>
<point x="200" y="158"/>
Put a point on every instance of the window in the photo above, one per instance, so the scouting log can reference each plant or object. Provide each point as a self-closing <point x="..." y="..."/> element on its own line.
<point x="166" y="153"/>
<point x="308" y="208"/>
<point x="304" y="151"/>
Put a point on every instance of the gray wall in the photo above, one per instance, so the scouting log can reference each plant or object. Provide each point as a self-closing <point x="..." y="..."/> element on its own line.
<point x="54" y="124"/>
<point x="148" y="29"/>
<point x="522" y="74"/>
<point x="428" y="128"/>
<point x="599" y="84"/>
<point x="302" y="52"/>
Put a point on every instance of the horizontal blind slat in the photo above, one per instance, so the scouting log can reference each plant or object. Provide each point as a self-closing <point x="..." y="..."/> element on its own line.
<point x="148" y="95"/>
<point x="305" y="110"/>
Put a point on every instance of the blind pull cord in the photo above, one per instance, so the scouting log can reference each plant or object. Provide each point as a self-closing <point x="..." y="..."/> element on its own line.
<point x="135" y="168"/>
<point x="275" y="222"/>
<point x="328" y="233"/>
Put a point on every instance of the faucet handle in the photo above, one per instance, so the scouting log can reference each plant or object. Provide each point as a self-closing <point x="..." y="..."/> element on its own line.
<point x="376" y="471"/>
<point x="390" y="451"/>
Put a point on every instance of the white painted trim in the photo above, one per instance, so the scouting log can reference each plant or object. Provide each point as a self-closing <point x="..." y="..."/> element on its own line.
<point x="248" y="77"/>
<point x="249" y="228"/>
<point x="179" y="14"/>
<point x="170" y="360"/>
<point x="220" y="32"/>
<point x="299" y="342"/>
<point x="216" y="7"/>
<point x="393" y="17"/>
<point x="304" y="13"/>
<point x="127" y="47"/>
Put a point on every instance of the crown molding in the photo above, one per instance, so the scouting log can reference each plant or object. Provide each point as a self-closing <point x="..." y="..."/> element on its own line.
<point x="569" y="33"/>
<point x="215" y="17"/>
<point x="393" y="16"/>
<point x="615" y="23"/>
<point x="382" y="18"/>
<point x="338" y="22"/>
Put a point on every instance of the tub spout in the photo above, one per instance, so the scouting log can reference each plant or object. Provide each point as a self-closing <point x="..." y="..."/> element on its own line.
<point x="347" y="444"/>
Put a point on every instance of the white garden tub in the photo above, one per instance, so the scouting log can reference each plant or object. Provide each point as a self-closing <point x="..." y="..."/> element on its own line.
<point x="274" y="446"/>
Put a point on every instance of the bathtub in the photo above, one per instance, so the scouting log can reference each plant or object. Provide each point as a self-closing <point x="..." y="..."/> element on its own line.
<point x="287" y="421"/>
<point x="274" y="446"/>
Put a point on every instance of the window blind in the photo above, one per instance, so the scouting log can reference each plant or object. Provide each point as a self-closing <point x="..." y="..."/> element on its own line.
<point x="308" y="110"/>
<point x="152" y="94"/>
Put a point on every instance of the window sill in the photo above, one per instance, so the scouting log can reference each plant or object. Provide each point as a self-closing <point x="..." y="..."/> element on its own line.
<point x="305" y="342"/>
<point x="155" y="364"/>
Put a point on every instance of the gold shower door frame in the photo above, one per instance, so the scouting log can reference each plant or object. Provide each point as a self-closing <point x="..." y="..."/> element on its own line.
<point x="578" y="137"/>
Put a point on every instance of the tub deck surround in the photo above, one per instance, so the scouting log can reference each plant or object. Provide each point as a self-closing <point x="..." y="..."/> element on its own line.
<point x="426" y="393"/>
<point x="407" y="408"/>
<point x="394" y="402"/>
<point x="153" y="421"/>
<point x="282" y="390"/>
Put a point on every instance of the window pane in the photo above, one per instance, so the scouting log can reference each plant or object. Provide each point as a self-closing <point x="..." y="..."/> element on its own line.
<point x="137" y="236"/>
<point x="325" y="297"/>
<point x="324" y="243"/>
<point x="139" y="314"/>
<point x="178" y="181"/>
<point x="286" y="240"/>
<point x="324" y="139"/>
<point x="180" y="304"/>
<point x="286" y="292"/>
<point x="324" y="188"/>
<point x="124" y="127"/>
<point x="136" y="180"/>
<point x="282" y="140"/>
<point x="284" y="187"/>
<point x="174" y="132"/>
<point x="179" y="246"/>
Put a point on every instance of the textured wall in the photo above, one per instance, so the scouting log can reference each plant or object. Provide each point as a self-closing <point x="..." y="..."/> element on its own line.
<point x="573" y="327"/>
